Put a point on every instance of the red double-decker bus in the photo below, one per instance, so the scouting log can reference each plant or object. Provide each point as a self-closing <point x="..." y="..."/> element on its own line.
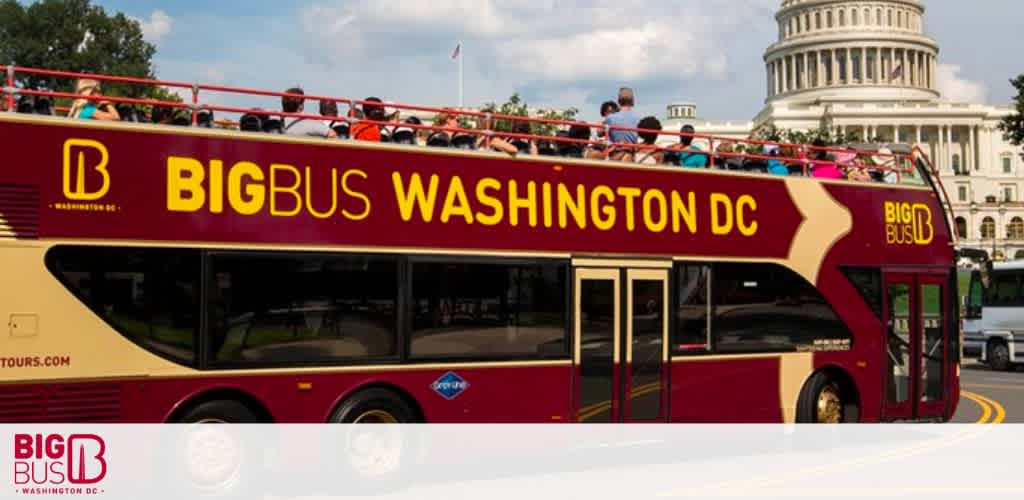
<point x="184" y="274"/>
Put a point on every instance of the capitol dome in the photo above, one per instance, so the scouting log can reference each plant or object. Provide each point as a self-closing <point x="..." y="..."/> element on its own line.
<point x="861" y="49"/>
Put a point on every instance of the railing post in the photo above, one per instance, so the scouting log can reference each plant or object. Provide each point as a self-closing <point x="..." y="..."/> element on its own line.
<point x="195" y="104"/>
<point x="10" y="88"/>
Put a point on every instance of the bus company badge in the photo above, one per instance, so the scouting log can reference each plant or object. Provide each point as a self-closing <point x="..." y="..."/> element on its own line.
<point x="450" y="385"/>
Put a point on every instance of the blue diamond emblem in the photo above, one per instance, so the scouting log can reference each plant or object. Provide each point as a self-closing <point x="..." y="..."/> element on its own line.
<point x="449" y="385"/>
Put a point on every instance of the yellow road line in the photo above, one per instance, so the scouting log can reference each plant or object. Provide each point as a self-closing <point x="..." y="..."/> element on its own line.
<point x="1000" y="411"/>
<point x="992" y="413"/>
<point x="1011" y="387"/>
<point x="986" y="409"/>
<point x="588" y="412"/>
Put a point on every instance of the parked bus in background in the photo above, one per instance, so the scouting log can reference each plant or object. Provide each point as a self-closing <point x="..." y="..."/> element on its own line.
<point x="994" y="317"/>
<point x="184" y="274"/>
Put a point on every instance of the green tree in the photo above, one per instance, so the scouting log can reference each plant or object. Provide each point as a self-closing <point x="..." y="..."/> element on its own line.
<point x="74" y="35"/>
<point x="1013" y="125"/>
<point x="516" y="106"/>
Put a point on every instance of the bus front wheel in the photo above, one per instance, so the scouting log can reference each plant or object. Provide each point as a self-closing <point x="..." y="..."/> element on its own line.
<point x="998" y="355"/>
<point x="821" y="401"/>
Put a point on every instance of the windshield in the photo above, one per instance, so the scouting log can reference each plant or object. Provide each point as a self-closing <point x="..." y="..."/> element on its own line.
<point x="1005" y="290"/>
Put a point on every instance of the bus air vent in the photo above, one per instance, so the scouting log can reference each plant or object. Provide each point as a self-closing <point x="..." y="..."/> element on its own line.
<point x="19" y="211"/>
<point x="61" y="403"/>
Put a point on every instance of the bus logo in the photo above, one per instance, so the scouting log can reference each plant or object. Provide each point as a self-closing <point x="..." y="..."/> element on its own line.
<point x="908" y="224"/>
<point x="77" y="177"/>
<point x="43" y="463"/>
<point x="449" y="385"/>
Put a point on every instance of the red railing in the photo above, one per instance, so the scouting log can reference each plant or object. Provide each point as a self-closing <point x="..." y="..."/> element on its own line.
<point x="801" y="154"/>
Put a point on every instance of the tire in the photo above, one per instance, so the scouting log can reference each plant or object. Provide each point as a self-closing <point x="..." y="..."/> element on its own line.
<point x="821" y="401"/>
<point x="374" y="406"/>
<point x="210" y="461"/>
<point x="219" y="412"/>
<point x="998" y="356"/>
<point x="374" y="459"/>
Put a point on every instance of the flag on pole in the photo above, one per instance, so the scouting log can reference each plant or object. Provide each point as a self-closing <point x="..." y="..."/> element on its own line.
<point x="897" y="73"/>
<point x="457" y="51"/>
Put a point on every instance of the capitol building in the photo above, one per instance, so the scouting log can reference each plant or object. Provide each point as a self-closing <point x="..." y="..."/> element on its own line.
<point x="868" y="68"/>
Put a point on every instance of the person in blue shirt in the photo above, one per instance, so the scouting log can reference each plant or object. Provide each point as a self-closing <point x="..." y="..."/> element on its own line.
<point x="625" y="117"/>
<point x="775" y="166"/>
<point x="691" y="155"/>
<point x="91" y="109"/>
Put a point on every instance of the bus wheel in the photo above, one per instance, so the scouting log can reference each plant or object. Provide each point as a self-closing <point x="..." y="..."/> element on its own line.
<point x="821" y="401"/>
<point x="219" y="412"/>
<point x="211" y="459"/>
<point x="998" y="355"/>
<point x="375" y="456"/>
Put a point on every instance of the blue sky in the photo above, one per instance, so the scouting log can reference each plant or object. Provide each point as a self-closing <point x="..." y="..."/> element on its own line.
<point x="553" y="52"/>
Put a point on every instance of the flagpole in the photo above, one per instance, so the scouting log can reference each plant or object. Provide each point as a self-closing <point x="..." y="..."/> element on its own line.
<point x="461" y="57"/>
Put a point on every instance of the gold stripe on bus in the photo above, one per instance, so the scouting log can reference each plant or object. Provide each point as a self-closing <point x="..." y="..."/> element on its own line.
<point x="633" y="263"/>
<point x="826" y="221"/>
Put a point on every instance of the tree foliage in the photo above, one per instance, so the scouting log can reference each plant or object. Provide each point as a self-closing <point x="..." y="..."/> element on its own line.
<point x="76" y="36"/>
<point x="830" y="136"/>
<point x="516" y="106"/>
<point x="1013" y="125"/>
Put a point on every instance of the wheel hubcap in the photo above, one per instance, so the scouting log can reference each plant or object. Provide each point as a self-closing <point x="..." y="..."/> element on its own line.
<point x="375" y="451"/>
<point x="830" y="407"/>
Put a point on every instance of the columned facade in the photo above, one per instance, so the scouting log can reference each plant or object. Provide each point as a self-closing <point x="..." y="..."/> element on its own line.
<point x="867" y="68"/>
<point x="867" y="46"/>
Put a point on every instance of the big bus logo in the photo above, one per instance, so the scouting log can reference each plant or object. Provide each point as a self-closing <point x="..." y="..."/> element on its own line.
<point x="85" y="170"/>
<point x="51" y="460"/>
<point x="908" y="224"/>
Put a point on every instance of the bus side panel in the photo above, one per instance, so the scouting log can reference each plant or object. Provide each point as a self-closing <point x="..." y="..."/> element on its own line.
<point x="527" y="394"/>
<point x="726" y="390"/>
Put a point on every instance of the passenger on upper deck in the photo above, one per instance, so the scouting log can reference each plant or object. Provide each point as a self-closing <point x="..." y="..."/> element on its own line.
<point x="647" y="152"/>
<point x="823" y="166"/>
<point x="90" y="109"/>
<point x="373" y="110"/>
<point x="302" y="126"/>
<point x="625" y="117"/>
<point x="690" y="156"/>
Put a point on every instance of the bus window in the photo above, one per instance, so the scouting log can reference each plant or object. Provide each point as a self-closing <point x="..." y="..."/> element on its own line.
<point x="868" y="282"/>
<point x="1005" y="290"/>
<point x="768" y="308"/>
<point x="298" y="309"/>
<point x="488" y="311"/>
<point x="150" y="295"/>
<point x="691" y="326"/>
<point x="975" y="297"/>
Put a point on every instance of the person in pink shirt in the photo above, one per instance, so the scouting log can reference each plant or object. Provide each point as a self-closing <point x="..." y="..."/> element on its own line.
<point x="823" y="167"/>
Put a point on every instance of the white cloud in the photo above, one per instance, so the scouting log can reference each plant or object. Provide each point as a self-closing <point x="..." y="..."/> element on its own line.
<point x="955" y="88"/>
<point x="158" y="26"/>
<point x="552" y="40"/>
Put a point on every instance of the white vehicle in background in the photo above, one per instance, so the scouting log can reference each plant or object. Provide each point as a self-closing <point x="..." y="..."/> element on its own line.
<point x="994" y="317"/>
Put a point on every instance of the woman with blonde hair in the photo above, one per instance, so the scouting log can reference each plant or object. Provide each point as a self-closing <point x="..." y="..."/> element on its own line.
<point x="88" y="109"/>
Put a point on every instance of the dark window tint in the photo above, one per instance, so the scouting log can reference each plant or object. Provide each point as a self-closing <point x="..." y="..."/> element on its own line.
<point x="1005" y="290"/>
<point x="301" y="309"/>
<point x="691" y="311"/>
<point x="488" y="310"/>
<point x="151" y="295"/>
<point x="768" y="308"/>
<point x="868" y="283"/>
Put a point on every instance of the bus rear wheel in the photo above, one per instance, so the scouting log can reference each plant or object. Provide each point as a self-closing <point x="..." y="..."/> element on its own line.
<point x="375" y="457"/>
<point x="998" y="355"/>
<point x="821" y="401"/>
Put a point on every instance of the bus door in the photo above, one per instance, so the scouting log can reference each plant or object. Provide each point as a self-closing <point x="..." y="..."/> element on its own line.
<point x="620" y="339"/>
<point x="917" y="346"/>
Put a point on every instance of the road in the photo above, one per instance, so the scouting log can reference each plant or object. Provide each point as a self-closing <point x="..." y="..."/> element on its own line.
<point x="986" y="392"/>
